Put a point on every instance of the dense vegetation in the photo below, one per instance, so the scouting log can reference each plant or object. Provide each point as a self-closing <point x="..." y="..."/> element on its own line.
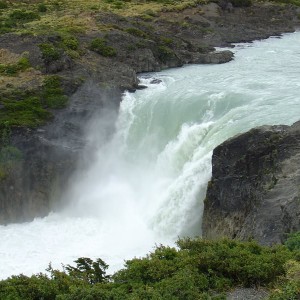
<point x="197" y="269"/>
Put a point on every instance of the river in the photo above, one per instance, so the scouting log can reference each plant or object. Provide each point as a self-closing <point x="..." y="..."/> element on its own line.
<point x="146" y="185"/>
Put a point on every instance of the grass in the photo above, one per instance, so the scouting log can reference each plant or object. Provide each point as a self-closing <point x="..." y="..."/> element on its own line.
<point x="136" y="32"/>
<point x="15" y="68"/>
<point x="79" y="16"/>
<point x="75" y="16"/>
<point x="31" y="108"/>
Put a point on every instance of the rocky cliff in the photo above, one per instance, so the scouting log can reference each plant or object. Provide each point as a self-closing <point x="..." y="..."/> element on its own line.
<point x="254" y="191"/>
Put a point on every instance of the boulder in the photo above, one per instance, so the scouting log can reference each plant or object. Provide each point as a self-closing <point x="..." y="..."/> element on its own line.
<point x="215" y="57"/>
<point x="254" y="190"/>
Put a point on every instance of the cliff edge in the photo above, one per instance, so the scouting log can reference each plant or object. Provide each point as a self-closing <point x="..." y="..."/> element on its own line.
<point x="254" y="191"/>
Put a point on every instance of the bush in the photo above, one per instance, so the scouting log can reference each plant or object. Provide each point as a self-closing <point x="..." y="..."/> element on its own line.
<point x="49" y="52"/>
<point x="136" y="32"/>
<point x="165" y="53"/>
<point x="22" y="16"/>
<point x="52" y="94"/>
<point x="146" y="18"/>
<point x="244" y="263"/>
<point x="199" y="269"/>
<point x="293" y="241"/>
<point x="290" y="284"/>
<point x="26" y="112"/>
<point x="241" y="3"/>
<point x="166" y="41"/>
<point x="28" y="288"/>
<point x="13" y="69"/>
<point x="3" y="5"/>
<point x="42" y="7"/>
<point x="29" y="108"/>
<point x="88" y="270"/>
<point x="70" y="42"/>
<point x="100" y="46"/>
<point x="118" y="4"/>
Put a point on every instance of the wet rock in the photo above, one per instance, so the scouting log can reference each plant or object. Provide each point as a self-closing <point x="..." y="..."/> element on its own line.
<point x="33" y="184"/>
<point x="141" y="87"/>
<point x="254" y="189"/>
<point x="155" y="81"/>
<point x="216" y="57"/>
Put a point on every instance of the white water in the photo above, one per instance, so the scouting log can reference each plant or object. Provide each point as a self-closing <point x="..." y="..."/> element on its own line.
<point x="146" y="185"/>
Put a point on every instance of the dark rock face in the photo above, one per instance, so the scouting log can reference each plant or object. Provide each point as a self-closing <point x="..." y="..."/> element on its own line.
<point x="34" y="184"/>
<point x="254" y="191"/>
<point x="218" y="57"/>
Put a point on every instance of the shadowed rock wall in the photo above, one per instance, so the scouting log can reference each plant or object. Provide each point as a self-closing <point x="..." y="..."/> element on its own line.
<point x="255" y="187"/>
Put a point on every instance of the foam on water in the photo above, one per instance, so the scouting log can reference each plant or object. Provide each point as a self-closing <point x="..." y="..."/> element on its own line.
<point x="147" y="184"/>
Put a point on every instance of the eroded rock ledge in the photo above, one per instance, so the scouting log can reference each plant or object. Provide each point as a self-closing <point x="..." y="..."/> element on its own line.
<point x="255" y="187"/>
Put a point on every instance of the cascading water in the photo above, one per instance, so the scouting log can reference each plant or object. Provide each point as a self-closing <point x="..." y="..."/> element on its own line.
<point x="147" y="184"/>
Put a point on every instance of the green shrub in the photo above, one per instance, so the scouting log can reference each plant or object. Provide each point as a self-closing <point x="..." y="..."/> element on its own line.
<point x="241" y="3"/>
<point x="243" y="263"/>
<point x="27" y="112"/>
<point x="289" y="288"/>
<point x="29" y="108"/>
<point x="166" y="41"/>
<point x="8" y="70"/>
<point x="164" y="1"/>
<point x="3" y="5"/>
<point x="118" y="4"/>
<point x="88" y="270"/>
<point x="151" y="13"/>
<point x="6" y="25"/>
<point x="136" y="32"/>
<point x="42" y="7"/>
<point x="13" y="69"/>
<point x="99" y="46"/>
<point x="49" y="52"/>
<point x="52" y="93"/>
<point x="4" y="29"/>
<point x="165" y="53"/>
<point x="22" y="16"/>
<point x="23" y="63"/>
<point x="293" y="241"/>
<point x="70" y="42"/>
<point x="146" y="18"/>
<point x="22" y="287"/>
<point x="198" y="269"/>
<point x="131" y="48"/>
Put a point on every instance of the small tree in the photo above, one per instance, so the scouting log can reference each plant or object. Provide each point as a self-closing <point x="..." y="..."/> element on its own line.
<point x="293" y="241"/>
<point x="88" y="270"/>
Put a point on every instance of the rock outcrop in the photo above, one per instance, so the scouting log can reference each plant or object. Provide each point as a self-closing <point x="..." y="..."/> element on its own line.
<point x="254" y="191"/>
<point x="37" y="175"/>
<point x="217" y="57"/>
